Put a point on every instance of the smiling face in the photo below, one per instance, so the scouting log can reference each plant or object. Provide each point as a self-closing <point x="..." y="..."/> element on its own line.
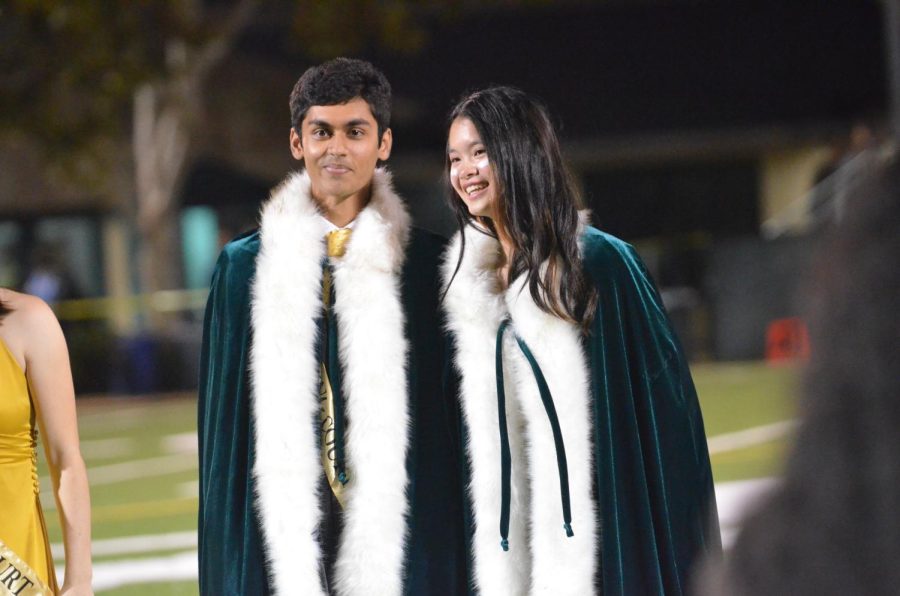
<point x="340" y="147"/>
<point x="471" y="174"/>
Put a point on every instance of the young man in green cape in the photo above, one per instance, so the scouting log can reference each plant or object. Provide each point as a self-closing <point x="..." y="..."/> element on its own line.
<point x="328" y="457"/>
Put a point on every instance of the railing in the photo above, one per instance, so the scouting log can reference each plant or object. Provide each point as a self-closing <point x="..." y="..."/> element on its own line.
<point x="826" y="201"/>
<point x="107" y="307"/>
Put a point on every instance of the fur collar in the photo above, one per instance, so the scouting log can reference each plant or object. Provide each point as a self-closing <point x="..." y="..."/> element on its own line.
<point x="285" y="380"/>
<point x="541" y="559"/>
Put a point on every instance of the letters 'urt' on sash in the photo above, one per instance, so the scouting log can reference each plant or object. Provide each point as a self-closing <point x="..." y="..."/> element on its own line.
<point x="17" y="578"/>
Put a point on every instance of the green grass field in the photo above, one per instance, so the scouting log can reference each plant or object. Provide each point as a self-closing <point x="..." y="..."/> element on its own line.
<point x="141" y="454"/>
<point x="735" y="397"/>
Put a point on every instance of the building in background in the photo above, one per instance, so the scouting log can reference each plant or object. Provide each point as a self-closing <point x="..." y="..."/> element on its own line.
<point x="688" y="124"/>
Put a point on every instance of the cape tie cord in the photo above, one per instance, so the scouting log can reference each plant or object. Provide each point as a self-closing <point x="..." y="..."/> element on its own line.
<point x="561" y="462"/>
<point x="505" y="460"/>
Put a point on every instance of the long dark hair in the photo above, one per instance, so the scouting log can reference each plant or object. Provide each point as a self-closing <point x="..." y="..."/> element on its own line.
<point x="833" y="525"/>
<point x="539" y="200"/>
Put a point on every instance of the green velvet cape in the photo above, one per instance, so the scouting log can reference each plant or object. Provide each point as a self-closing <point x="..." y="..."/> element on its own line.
<point x="650" y="480"/>
<point x="231" y="551"/>
<point x="653" y="476"/>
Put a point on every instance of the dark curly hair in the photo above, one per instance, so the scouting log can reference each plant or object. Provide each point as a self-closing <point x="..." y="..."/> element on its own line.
<point x="538" y="197"/>
<point x="339" y="81"/>
<point x="833" y="525"/>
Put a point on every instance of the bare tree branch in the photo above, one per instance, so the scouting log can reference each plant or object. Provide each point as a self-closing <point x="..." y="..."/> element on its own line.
<point x="220" y="45"/>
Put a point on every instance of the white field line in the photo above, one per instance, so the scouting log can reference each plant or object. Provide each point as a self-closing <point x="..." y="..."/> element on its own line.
<point x="107" y="448"/>
<point x="734" y="500"/>
<point x="139" y="468"/>
<point x="750" y="437"/>
<point x="188" y="489"/>
<point x="129" y="470"/>
<point x="180" y="443"/>
<point x="114" y="574"/>
<point x="183" y="456"/>
<point x="135" y="544"/>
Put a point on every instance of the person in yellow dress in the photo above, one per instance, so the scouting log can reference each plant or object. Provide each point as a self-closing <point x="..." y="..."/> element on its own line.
<point x="36" y="391"/>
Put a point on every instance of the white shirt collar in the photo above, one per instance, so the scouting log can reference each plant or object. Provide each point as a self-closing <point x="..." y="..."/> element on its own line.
<point x="330" y="227"/>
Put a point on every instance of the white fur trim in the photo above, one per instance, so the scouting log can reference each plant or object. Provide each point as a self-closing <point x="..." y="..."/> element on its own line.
<point x="374" y="348"/>
<point x="475" y="310"/>
<point x="285" y="378"/>
<point x="541" y="559"/>
<point x="561" y="565"/>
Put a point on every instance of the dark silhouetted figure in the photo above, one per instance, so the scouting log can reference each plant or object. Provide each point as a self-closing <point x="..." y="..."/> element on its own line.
<point x="833" y="525"/>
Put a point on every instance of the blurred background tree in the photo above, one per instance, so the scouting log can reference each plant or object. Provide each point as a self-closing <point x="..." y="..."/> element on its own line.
<point x="84" y="79"/>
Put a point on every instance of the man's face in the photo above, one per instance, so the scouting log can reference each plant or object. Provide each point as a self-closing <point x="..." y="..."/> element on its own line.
<point x="340" y="146"/>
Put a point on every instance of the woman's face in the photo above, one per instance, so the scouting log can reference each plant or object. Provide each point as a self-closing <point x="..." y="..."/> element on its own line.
<point x="471" y="174"/>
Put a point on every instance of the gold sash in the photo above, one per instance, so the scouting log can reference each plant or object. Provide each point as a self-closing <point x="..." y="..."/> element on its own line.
<point x="336" y="243"/>
<point x="17" y="578"/>
<point x="326" y="417"/>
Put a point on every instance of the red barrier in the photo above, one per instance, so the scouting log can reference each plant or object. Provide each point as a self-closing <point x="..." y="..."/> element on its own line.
<point x="787" y="340"/>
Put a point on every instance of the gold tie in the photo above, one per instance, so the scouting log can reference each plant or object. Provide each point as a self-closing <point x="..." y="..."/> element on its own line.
<point x="336" y="241"/>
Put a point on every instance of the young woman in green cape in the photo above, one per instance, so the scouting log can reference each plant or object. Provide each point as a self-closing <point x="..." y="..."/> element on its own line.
<point x="587" y="466"/>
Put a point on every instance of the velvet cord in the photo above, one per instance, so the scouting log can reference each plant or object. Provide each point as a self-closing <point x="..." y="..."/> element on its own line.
<point x="561" y="461"/>
<point x="505" y="459"/>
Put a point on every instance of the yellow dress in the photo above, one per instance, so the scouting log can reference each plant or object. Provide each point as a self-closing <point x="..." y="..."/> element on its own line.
<point x="22" y="527"/>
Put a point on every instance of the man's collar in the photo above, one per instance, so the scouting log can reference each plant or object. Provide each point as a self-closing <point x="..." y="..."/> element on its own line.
<point x="330" y="227"/>
<point x="292" y="218"/>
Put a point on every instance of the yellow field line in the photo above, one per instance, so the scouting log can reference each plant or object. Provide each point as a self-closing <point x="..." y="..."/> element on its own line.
<point x="101" y="308"/>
